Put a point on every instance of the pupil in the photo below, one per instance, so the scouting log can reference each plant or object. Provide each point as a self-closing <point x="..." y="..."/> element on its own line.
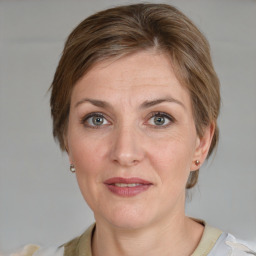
<point x="97" y="120"/>
<point x="159" y="120"/>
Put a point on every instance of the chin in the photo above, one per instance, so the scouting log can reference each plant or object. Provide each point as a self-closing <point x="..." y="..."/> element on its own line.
<point x="128" y="218"/>
<point x="129" y="224"/>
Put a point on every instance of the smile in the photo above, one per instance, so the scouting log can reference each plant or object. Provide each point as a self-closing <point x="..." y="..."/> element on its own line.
<point x="127" y="187"/>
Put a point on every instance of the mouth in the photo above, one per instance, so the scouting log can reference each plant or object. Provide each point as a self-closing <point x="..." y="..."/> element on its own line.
<point x="127" y="187"/>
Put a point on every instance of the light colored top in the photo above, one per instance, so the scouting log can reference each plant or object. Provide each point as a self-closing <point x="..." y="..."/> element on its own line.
<point x="213" y="243"/>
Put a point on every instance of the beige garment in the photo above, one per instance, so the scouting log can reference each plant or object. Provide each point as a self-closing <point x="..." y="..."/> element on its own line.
<point x="81" y="246"/>
<point x="28" y="250"/>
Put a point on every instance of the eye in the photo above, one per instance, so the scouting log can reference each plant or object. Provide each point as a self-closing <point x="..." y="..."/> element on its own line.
<point x="160" y="119"/>
<point x="94" y="120"/>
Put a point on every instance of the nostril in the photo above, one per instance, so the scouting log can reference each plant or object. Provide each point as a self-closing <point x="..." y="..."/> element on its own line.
<point x="126" y="148"/>
<point x="126" y="160"/>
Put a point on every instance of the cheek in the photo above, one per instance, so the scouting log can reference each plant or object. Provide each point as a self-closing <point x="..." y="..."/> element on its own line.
<point x="84" y="154"/>
<point x="175" y="149"/>
<point x="84" y="150"/>
<point x="172" y="159"/>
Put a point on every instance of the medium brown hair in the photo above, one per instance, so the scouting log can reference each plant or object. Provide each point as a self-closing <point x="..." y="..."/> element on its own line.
<point x="123" y="30"/>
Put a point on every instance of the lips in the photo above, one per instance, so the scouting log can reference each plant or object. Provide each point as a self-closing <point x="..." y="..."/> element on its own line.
<point x="127" y="187"/>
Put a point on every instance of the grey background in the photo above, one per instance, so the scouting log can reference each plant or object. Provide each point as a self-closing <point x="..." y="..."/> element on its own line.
<point x="39" y="198"/>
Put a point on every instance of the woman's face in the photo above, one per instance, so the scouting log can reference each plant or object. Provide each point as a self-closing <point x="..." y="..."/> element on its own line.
<point x="132" y="139"/>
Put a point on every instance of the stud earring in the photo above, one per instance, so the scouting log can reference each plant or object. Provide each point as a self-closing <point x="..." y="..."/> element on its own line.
<point x="72" y="168"/>
<point x="197" y="162"/>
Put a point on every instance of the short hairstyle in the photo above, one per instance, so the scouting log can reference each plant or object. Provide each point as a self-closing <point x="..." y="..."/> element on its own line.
<point x="123" y="30"/>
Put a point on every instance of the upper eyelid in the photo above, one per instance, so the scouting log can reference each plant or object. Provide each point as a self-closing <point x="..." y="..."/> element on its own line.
<point x="92" y="114"/>
<point x="105" y="115"/>
<point x="163" y="114"/>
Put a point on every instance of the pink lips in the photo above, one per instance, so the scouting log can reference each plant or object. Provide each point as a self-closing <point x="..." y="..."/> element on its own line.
<point x="127" y="187"/>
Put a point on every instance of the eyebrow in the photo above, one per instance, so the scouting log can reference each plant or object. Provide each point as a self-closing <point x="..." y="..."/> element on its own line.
<point x="97" y="103"/>
<point x="151" y="103"/>
<point x="145" y="104"/>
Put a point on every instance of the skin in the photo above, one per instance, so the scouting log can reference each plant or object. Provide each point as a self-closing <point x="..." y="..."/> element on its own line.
<point x="130" y="143"/>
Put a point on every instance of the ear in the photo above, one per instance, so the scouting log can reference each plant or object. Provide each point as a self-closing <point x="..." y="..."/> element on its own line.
<point x="202" y="147"/>
<point x="67" y="148"/>
<point x="65" y="140"/>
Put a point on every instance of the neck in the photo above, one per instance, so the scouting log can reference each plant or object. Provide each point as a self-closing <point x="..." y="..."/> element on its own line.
<point x="178" y="235"/>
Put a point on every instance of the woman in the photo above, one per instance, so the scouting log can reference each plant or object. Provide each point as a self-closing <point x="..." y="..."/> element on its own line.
<point x="135" y="101"/>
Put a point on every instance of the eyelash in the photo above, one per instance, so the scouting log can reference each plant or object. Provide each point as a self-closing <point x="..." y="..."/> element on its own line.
<point x="162" y="114"/>
<point x="153" y="114"/>
<point x="93" y="114"/>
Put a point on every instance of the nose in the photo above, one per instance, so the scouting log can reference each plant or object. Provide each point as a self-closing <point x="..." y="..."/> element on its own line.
<point x="127" y="147"/>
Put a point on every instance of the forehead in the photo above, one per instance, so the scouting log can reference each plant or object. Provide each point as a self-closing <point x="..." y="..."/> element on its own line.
<point x="138" y="75"/>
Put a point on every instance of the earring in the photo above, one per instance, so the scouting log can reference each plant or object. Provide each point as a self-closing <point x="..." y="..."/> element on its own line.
<point x="197" y="162"/>
<point x="72" y="168"/>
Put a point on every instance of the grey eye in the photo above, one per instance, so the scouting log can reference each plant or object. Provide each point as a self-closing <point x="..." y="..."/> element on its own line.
<point x="97" y="120"/>
<point x="159" y="120"/>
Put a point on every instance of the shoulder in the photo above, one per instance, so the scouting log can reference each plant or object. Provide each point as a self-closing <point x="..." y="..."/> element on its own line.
<point x="80" y="245"/>
<point x="215" y="242"/>
<point x="36" y="250"/>
<point x="77" y="246"/>
<point x="227" y="244"/>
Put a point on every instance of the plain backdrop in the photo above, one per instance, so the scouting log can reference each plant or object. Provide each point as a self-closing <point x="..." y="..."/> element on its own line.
<point x="39" y="199"/>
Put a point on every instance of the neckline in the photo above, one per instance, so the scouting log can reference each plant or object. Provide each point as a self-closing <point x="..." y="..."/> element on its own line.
<point x="208" y="239"/>
<point x="206" y="244"/>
